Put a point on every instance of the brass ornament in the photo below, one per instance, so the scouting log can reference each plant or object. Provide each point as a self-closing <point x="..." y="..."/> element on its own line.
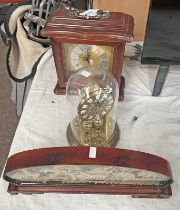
<point x="89" y="14"/>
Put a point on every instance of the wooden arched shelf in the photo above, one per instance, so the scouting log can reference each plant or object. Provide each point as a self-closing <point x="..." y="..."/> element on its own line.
<point x="112" y="171"/>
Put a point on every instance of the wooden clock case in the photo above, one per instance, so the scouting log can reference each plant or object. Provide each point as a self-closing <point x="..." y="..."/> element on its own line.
<point x="114" y="31"/>
<point x="81" y="156"/>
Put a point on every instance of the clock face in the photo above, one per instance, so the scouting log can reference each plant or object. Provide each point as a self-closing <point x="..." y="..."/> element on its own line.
<point x="96" y="105"/>
<point x="77" y="56"/>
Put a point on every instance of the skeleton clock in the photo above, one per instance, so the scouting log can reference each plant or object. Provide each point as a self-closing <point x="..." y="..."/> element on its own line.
<point x="92" y="96"/>
<point x="88" y="38"/>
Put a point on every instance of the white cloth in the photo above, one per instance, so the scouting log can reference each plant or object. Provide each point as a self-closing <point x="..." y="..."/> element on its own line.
<point x="24" y="53"/>
<point x="156" y="130"/>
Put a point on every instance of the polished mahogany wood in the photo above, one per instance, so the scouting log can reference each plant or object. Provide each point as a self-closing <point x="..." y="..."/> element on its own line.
<point x="113" y="31"/>
<point x="136" y="191"/>
<point x="80" y="156"/>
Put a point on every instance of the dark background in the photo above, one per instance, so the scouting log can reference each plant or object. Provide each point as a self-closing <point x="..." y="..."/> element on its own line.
<point x="162" y="39"/>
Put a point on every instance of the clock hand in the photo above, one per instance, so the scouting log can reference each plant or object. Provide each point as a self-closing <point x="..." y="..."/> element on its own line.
<point x="82" y="57"/>
<point x="87" y="51"/>
<point x="88" y="60"/>
<point x="85" y="58"/>
<point x="88" y="55"/>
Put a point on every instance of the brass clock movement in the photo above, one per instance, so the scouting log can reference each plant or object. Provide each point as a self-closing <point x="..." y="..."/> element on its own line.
<point x="80" y="39"/>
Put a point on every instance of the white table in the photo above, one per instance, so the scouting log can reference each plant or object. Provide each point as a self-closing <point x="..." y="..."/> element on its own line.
<point x="156" y="130"/>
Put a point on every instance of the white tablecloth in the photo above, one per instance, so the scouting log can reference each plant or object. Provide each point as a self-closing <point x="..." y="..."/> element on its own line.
<point x="156" y="130"/>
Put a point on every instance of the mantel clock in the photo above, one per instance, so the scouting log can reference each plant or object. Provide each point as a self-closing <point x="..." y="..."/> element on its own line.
<point x="80" y="39"/>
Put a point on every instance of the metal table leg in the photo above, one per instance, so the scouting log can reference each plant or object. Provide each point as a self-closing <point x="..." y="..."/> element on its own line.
<point x="160" y="79"/>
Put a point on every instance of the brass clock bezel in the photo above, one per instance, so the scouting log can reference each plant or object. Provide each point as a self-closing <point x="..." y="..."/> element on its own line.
<point x="93" y="94"/>
<point x="75" y="57"/>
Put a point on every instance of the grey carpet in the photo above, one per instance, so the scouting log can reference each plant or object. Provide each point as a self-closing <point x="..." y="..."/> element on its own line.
<point x="8" y="119"/>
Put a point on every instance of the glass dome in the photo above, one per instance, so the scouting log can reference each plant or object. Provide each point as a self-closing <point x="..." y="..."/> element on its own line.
<point x="92" y="96"/>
